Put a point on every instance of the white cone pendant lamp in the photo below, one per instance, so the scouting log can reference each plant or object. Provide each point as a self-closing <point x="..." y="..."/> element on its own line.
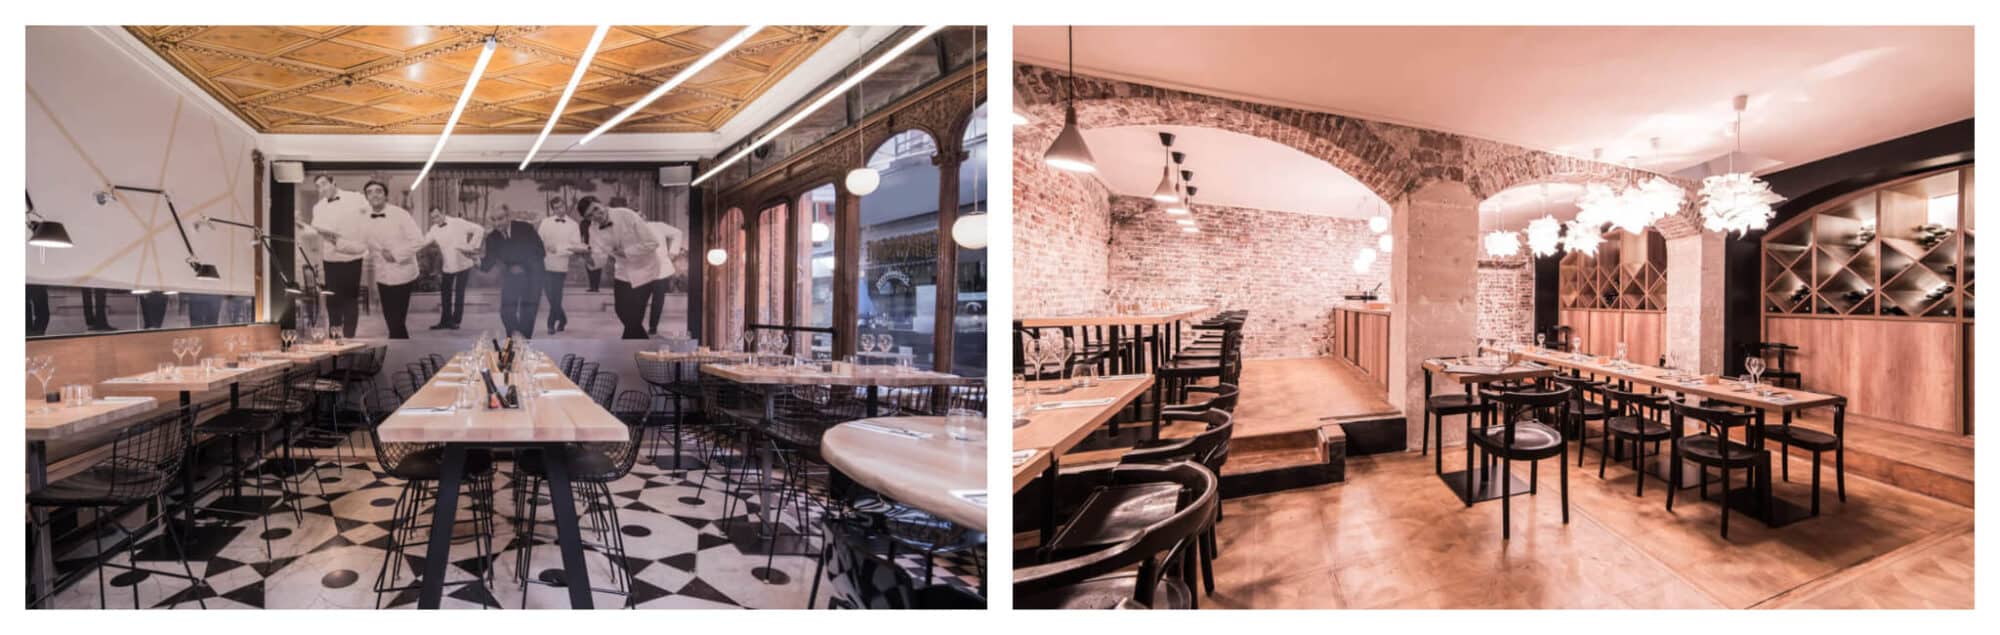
<point x="1068" y="151"/>
<point x="1166" y="192"/>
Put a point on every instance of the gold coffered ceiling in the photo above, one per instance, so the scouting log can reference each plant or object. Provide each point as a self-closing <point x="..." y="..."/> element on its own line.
<point x="404" y="79"/>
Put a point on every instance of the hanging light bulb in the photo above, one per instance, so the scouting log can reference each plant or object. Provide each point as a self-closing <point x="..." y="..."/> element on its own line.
<point x="718" y="256"/>
<point x="1359" y="266"/>
<point x="862" y="181"/>
<point x="821" y="232"/>
<point x="1582" y="238"/>
<point x="1737" y="201"/>
<point x="1068" y="151"/>
<point x="1378" y="223"/>
<point x="1368" y="255"/>
<point x="1502" y="244"/>
<point x="969" y="231"/>
<point x="1386" y="243"/>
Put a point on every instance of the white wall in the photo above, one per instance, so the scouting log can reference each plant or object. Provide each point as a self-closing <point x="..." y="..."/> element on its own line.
<point x="99" y="115"/>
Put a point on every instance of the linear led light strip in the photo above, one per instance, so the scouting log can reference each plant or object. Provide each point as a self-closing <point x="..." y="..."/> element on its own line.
<point x="678" y="79"/>
<point x="471" y="82"/>
<point x="582" y="65"/>
<point x="823" y="100"/>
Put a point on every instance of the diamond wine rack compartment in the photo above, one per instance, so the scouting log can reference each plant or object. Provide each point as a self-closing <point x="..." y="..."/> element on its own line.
<point x="1629" y="272"/>
<point x="1901" y="250"/>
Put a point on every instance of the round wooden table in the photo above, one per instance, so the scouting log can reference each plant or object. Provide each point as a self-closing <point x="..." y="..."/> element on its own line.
<point x="919" y="472"/>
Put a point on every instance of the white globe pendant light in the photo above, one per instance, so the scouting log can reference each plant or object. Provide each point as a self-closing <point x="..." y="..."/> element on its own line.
<point x="969" y="231"/>
<point x="863" y="181"/>
<point x="821" y="232"/>
<point x="1502" y="244"/>
<point x="717" y="256"/>
<point x="1378" y="223"/>
<point x="1385" y="243"/>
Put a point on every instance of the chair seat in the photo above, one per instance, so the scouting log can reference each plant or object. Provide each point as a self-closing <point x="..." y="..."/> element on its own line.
<point x="1112" y="515"/>
<point x="427" y="464"/>
<point x="1708" y="450"/>
<point x="1109" y="592"/>
<point x="1590" y="411"/>
<point x="319" y="385"/>
<point x="587" y="462"/>
<point x="1454" y="404"/>
<point x="1807" y="438"/>
<point x="103" y="485"/>
<point x="1531" y="439"/>
<point x="1637" y="427"/>
<point x="240" y="422"/>
<point x="1191" y="366"/>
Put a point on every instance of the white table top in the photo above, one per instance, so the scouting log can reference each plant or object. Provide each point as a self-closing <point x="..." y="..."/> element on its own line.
<point x="66" y="421"/>
<point x="192" y="378"/>
<point x="927" y="473"/>
<point x="562" y="414"/>
<point x="856" y="375"/>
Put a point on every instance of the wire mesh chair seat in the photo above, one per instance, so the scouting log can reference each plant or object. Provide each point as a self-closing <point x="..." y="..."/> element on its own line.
<point x="592" y="468"/>
<point x="420" y="465"/>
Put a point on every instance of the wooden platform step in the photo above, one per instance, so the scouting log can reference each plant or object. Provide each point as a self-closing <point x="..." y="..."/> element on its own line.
<point x="1924" y="462"/>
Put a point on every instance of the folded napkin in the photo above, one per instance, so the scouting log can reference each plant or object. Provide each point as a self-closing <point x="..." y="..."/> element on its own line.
<point x="1122" y="377"/>
<point x="901" y="432"/>
<point x="974" y="496"/>
<point x="563" y="391"/>
<point x="424" y="410"/>
<point x="1076" y="403"/>
<point x="1022" y="456"/>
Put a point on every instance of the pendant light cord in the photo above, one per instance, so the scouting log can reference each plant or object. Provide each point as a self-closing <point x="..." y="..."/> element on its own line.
<point x="1070" y="31"/>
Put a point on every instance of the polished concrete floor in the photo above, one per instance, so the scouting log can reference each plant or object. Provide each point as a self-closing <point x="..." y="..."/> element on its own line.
<point x="1393" y="536"/>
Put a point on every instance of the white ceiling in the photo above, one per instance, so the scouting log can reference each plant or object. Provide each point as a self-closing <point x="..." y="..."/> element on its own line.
<point x="1231" y="169"/>
<point x="1814" y="91"/>
<point x="1512" y="208"/>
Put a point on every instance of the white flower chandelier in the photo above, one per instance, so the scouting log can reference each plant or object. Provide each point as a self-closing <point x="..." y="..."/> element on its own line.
<point x="1544" y="236"/>
<point x="1632" y="208"/>
<point x="1582" y="237"/>
<point x="1737" y="201"/>
<point x="1502" y="244"/>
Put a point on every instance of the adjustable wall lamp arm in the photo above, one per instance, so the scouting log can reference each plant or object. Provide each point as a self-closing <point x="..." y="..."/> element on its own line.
<point x="185" y="242"/>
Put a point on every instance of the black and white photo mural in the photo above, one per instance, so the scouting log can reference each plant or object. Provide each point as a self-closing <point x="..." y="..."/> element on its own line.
<point x="557" y="253"/>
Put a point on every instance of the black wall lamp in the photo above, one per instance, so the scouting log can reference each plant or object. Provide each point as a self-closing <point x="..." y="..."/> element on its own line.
<point x="43" y="232"/>
<point x="202" y="270"/>
<point x="262" y="239"/>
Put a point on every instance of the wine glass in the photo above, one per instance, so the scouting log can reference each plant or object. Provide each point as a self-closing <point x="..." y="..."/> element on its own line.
<point x="885" y="342"/>
<point x="1755" y="364"/>
<point x="194" y="348"/>
<point x="963" y="424"/>
<point x="1540" y="339"/>
<point x="1621" y="353"/>
<point x="43" y="367"/>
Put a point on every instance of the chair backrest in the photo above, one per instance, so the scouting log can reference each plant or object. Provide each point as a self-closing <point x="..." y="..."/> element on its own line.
<point x="1514" y="404"/>
<point x="403" y="384"/>
<point x="656" y="373"/>
<point x="1150" y="548"/>
<point x="858" y="577"/>
<point x="388" y="455"/>
<point x="1210" y="447"/>
<point x="1582" y="386"/>
<point x="586" y="376"/>
<point x="568" y="365"/>
<point x="1619" y="401"/>
<point x="602" y="388"/>
<point x="967" y="396"/>
<point x="633" y="408"/>
<point x="146" y="455"/>
<point x="1223" y="397"/>
<point x="1718" y="418"/>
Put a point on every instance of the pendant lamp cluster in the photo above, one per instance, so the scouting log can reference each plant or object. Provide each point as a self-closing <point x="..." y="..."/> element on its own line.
<point x="1175" y="193"/>
<point x="1737" y="201"/>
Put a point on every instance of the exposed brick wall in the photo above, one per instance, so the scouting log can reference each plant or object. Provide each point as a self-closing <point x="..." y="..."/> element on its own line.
<point x="1062" y="235"/>
<point x="1288" y="270"/>
<point x="1507" y="299"/>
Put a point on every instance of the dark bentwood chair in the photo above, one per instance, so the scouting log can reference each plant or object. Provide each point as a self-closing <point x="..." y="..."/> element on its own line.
<point x="1790" y="436"/>
<point x="1635" y="418"/>
<point x="1522" y="436"/>
<point x="1714" y="449"/>
<point x="1106" y="578"/>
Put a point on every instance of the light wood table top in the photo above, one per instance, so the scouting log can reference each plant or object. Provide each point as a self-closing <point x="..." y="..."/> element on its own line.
<point x="1135" y="319"/>
<point x="1781" y="400"/>
<point x="561" y="414"/>
<point x="192" y="379"/>
<point x="1486" y="371"/>
<point x="920" y="472"/>
<point x="1053" y="431"/>
<point x="65" y="421"/>
<point x="891" y="376"/>
<point x="672" y="356"/>
<point x="297" y="355"/>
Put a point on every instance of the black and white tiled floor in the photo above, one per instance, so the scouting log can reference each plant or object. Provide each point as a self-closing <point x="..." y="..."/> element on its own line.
<point x="681" y="554"/>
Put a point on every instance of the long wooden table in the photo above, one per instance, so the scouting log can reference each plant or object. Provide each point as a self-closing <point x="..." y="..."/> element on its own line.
<point x="872" y="378"/>
<point x="927" y="473"/>
<point x="562" y="415"/>
<point x="1050" y="432"/>
<point x="1116" y="319"/>
<point x="1785" y="401"/>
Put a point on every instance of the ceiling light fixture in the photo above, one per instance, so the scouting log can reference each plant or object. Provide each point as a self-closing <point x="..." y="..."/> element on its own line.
<point x="1166" y="192"/>
<point x="575" y="77"/>
<point x="823" y="100"/>
<point x="1545" y="233"/>
<point x="1582" y="237"/>
<point x="718" y="256"/>
<point x="1068" y="151"/>
<point x="43" y="232"/>
<point x="863" y="180"/>
<point x="679" y="78"/>
<point x="1386" y="243"/>
<point x="464" y="97"/>
<point x="1378" y="223"/>
<point x="1737" y="201"/>
<point x="969" y="231"/>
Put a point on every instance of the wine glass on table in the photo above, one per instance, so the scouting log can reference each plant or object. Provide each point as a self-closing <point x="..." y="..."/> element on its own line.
<point x="1621" y="354"/>
<point x="1755" y="364"/>
<point x="194" y="349"/>
<point x="1540" y="340"/>
<point x="43" y="368"/>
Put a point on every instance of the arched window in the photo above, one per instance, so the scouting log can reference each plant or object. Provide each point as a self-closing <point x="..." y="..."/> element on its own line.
<point x="771" y="262"/>
<point x="899" y="242"/>
<point x="817" y="242"/>
<point x="968" y="354"/>
<point x="729" y="308"/>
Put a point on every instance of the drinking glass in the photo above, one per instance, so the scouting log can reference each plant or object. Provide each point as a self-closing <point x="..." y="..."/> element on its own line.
<point x="963" y="425"/>
<point x="1621" y="353"/>
<point x="194" y="347"/>
<point x="1024" y="400"/>
<point x="164" y="370"/>
<point x="43" y="367"/>
<point x="1755" y="364"/>
<point x="1540" y="339"/>
<point x="1084" y="376"/>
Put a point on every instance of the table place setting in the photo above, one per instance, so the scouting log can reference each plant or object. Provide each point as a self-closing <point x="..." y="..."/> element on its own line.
<point x="974" y="496"/>
<point x="901" y="432"/>
<point x="1023" y="456"/>
<point x="1076" y="403"/>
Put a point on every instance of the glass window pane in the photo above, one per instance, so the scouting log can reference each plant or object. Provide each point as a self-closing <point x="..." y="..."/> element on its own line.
<point x="817" y="240"/>
<point x="968" y="355"/>
<point x="771" y="265"/>
<point x="899" y="231"/>
<point x="730" y="309"/>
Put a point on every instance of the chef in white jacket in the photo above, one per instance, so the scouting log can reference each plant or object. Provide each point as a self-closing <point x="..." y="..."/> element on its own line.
<point x="562" y="239"/>
<point x="458" y="242"/>
<point x="336" y="216"/>
<point x="393" y="240"/>
<point x="620" y="235"/>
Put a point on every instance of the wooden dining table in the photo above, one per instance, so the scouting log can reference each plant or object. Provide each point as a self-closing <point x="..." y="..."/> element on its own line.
<point x="562" y="414"/>
<point x="1056" y="425"/>
<point x="871" y="378"/>
<point x="1164" y="326"/>
<point x="1472" y="373"/>
<point x="67" y="421"/>
<point x="913" y="460"/>
<point x="1773" y="512"/>
<point x="186" y="382"/>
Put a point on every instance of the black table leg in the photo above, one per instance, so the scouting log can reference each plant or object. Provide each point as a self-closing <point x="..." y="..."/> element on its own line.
<point x="576" y="577"/>
<point x="1049" y="499"/>
<point x="38" y="477"/>
<point x="188" y="462"/>
<point x="874" y="401"/>
<point x="437" y="556"/>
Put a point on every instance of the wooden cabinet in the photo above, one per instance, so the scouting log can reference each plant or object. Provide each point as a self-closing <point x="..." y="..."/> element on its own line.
<point x="1361" y="338"/>
<point x="1876" y="290"/>
<point x="1618" y="295"/>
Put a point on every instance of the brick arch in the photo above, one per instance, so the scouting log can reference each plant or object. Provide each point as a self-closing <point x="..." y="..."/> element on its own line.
<point x="1391" y="160"/>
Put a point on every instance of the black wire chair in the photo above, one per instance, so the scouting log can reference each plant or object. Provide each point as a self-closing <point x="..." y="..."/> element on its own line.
<point x="586" y="375"/>
<point x="602" y="387"/>
<point x="143" y="462"/>
<point x="593" y="468"/>
<point x="420" y="465"/>
<point x="260" y="410"/>
<point x="568" y="365"/>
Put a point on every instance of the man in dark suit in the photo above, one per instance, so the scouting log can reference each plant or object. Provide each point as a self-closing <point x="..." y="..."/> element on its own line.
<point x="516" y="248"/>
